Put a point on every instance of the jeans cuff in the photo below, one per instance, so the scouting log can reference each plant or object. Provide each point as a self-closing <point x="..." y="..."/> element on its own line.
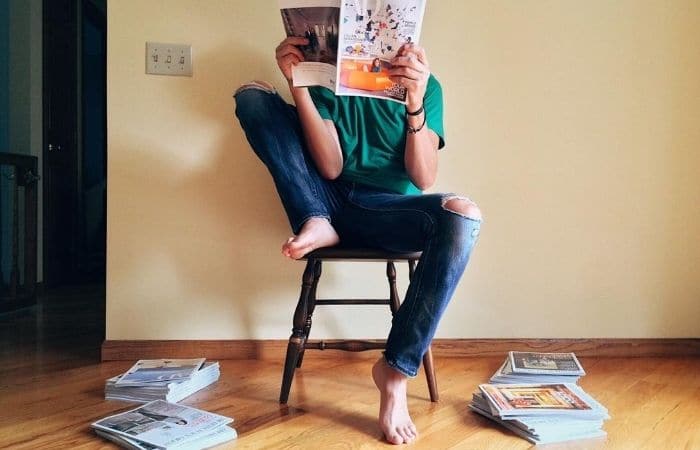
<point x="391" y="362"/>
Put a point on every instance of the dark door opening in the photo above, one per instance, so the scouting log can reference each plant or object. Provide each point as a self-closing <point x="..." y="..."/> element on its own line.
<point x="75" y="142"/>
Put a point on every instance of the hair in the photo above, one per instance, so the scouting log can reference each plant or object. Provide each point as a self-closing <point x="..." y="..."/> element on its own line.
<point x="376" y="62"/>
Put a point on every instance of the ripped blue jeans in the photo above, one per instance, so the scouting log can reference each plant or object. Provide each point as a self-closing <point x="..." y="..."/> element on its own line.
<point x="367" y="217"/>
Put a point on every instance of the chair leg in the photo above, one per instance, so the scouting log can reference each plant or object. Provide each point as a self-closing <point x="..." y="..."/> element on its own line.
<point x="297" y="340"/>
<point x="311" y="308"/>
<point x="411" y="268"/>
<point x="394" y="302"/>
<point x="430" y="375"/>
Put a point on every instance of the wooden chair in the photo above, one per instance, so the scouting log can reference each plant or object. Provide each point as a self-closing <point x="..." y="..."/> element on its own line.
<point x="299" y="343"/>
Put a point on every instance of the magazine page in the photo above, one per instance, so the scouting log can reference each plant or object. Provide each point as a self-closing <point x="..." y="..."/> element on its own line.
<point x="510" y="399"/>
<point x="160" y="370"/>
<point x="545" y="363"/>
<point x="317" y="21"/>
<point x="162" y="424"/>
<point x="371" y="33"/>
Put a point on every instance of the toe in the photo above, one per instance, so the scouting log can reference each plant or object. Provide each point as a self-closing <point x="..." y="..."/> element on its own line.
<point x="394" y="438"/>
<point x="287" y="243"/>
<point x="409" y="435"/>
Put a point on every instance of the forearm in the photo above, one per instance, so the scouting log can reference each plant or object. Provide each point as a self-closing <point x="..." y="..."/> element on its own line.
<point x="420" y="155"/>
<point x="321" y="141"/>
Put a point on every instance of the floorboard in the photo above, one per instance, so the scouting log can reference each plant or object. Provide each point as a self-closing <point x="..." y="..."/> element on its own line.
<point x="51" y="389"/>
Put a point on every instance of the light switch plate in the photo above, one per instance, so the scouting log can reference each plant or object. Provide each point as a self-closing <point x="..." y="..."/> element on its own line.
<point x="169" y="59"/>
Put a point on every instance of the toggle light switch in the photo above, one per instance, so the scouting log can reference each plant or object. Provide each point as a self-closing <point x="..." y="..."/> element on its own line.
<point x="168" y="59"/>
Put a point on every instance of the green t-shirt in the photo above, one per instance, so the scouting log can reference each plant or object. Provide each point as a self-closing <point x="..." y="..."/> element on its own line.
<point x="372" y="134"/>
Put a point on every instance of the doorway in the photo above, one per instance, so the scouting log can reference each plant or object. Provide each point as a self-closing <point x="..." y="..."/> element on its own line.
<point x="75" y="142"/>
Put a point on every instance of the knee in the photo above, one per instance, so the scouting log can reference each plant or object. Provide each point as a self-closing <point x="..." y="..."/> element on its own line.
<point x="461" y="206"/>
<point x="460" y="233"/>
<point x="256" y="85"/>
<point x="253" y="100"/>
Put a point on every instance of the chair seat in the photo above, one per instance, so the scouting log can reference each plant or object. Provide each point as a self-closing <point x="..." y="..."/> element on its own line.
<point x="361" y="254"/>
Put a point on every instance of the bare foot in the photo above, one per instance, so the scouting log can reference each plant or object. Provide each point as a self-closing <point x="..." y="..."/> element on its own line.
<point x="316" y="233"/>
<point x="394" y="420"/>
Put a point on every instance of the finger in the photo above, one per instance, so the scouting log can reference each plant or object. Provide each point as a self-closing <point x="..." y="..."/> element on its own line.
<point x="289" y="50"/>
<point x="409" y="61"/>
<point x="406" y="47"/>
<point x="418" y="51"/>
<point x="406" y="72"/>
<point x="289" y="60"/>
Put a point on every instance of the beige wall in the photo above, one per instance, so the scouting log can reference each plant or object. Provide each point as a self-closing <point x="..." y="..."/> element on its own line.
<point x="573" y="124"/>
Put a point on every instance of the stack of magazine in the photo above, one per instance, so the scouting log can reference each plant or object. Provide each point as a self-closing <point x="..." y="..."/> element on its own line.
<point x="534" y="367"/>
<point x="167" y="426"/>
<point x="164" y="379"/>
<point x="535" y="395"/>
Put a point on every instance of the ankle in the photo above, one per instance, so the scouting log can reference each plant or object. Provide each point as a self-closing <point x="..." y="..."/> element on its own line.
<point x="391" y="375"/>
<point x="317" y="221"/>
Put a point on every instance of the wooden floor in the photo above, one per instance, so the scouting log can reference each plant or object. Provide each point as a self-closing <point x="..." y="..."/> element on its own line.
<point x="51" y="389"/>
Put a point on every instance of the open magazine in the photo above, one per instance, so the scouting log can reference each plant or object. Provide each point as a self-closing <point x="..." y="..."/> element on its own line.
<point x="351" y="42"/>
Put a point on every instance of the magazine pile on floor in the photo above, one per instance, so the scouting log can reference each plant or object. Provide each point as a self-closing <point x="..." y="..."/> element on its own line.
<point x="163" y="425"/>
<point x="531" y="367"/>
<point x="164" y="379"/>
<point x="535" y="395"/>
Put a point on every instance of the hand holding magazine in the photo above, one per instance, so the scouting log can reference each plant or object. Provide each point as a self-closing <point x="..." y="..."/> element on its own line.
<point x="350" y="43"/>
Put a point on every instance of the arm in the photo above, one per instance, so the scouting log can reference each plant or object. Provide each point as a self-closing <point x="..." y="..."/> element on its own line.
<point x="410" y="69"/>
<point x="320" y="135"/>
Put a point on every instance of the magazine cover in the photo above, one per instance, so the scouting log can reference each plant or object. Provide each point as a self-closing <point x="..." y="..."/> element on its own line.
<point x="160" y="371"/>
<point x="162" y="424"/>
<point x="317" y="21"/>
<point x="371" y="33"/>
<point x="526" y="399"/>
<point x="545" y="363"/>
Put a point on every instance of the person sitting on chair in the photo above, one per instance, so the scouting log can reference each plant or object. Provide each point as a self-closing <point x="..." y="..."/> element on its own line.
<point x="350" y="170"/>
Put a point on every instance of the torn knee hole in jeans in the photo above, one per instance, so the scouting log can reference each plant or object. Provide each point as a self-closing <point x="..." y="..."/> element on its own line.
<point x="257" y="84"/>
<point x="474" y="215"/>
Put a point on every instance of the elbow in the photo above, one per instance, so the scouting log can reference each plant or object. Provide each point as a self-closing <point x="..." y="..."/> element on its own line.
<point x="424" y="182"/>
<point x="423" y="185"/>
<point x="331" y="173"/>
